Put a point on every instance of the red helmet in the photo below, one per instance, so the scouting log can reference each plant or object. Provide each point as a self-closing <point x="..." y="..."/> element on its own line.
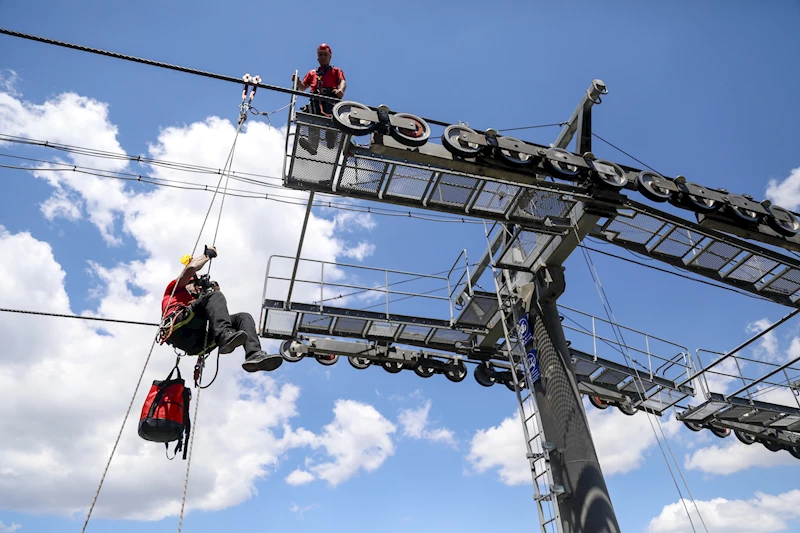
<point x="324" y="46"/>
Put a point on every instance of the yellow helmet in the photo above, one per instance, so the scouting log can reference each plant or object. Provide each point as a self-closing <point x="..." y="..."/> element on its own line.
<point x="185" y="259"/>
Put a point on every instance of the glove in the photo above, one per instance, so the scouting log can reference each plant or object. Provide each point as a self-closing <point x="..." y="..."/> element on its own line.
<point x="210" y="253"/>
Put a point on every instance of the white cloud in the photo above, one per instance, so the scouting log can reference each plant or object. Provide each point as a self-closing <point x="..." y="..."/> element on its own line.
<point x="734" y="456"/>
<point x="299" y="477"/>
<point x="768" y="343"/>
<point x="358" y="438"/>
<point x="501" y="447"/>
<point x="361" y="251"/>
<point x="785" y="193"/>
<point x="51" y="459"/>
<point x="610" y="427"/>
<point x="415" y="425"/>
<point x="302" y="510"/>
<point x="9" y="528"/>
<point x="8" y="84"/>
<point x="762" y="514"/>
<point x="74" y="120"/>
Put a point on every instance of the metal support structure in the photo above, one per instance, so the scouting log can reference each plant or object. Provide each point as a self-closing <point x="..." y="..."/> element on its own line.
<point x="585" y="506"/>
<point x="579" y="117"/>
<point x="300" y="246"/>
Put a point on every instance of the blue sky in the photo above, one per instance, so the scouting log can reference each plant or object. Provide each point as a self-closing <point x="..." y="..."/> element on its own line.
<point x="695" y="89"/>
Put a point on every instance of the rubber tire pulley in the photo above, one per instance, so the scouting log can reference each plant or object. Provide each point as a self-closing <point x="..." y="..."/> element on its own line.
<point x="414" y="138"/>
<point x="451" y="140"/>
<point x="455" y="371"/>
<point x="645" y="186"/>
<point x="287" y="354"/>
<point x="341" y="116"/>
<point x="359" y="362"/>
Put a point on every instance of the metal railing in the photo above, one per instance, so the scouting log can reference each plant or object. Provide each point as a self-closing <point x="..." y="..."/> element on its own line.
<point x="663" y="365"/>
<point x="385" y="287"/>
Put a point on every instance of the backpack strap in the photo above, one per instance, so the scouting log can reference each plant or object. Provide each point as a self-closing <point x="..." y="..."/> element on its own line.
<point x="187" y="423"/>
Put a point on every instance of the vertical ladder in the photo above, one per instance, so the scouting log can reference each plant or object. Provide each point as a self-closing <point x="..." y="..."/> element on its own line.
<point x="537" y="448"/>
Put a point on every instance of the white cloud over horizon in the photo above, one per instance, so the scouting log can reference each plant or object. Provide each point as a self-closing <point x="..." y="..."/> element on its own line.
<point x="415" y="425"/>
<point x="51" y="458"/>
<point x="764" y="513"/>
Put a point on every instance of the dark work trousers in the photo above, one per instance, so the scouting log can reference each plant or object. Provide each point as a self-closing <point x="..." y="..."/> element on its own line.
<point x="325" y="108"/>
<point x="212" y="308"/>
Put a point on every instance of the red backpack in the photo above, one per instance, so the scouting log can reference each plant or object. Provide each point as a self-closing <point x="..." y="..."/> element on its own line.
<point x="165" y="414"/>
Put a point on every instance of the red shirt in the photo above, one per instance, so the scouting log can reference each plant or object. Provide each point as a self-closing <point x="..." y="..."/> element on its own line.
<point x="181" y="298"/>
<point x="331" y="78"/>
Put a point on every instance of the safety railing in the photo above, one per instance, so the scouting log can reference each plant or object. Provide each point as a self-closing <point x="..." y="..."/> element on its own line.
<point x="643" y="351"/>
<point x="342" y="282"/>
<point x="757" y="377"/>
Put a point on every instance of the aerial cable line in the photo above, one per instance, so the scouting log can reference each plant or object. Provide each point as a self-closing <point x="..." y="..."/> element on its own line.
<point x="81" y="317"/>
<point x="240" y="193"/>
<point x="178" y="68"/>
<point x="626" y="153"/>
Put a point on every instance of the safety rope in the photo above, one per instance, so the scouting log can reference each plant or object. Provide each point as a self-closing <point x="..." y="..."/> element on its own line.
<point x="243" y="109"/>
<point x="150" y="353"/>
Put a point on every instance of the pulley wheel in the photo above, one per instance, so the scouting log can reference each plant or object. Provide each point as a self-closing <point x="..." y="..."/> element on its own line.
<point x="694" y="426"/>
<point x="744" y="438"/>
<point x="627" y="409"/>
<point x="609" y="175"/>
<point x="349" y="124"/>
<point x="720" y="432"/>
<point x="771" y="446"/>
<point x="451" y="139"/>
<point x="598" y="402"/>
<point x="513" y="157"/>
<point x="359" y="362"/>
<point x="743" y="215"/>
<point x="698" y="204"/>
<point x="520" y="380"/>
<point x="287" y="354"/>
<point x="392" y="367"/>
<point x="484" y="375"/>
<point x="416" y="136"/>
<point x="645" y="184"/>
<point x="787" y="225"/>
<point x="327" y="360"/>
<point x="455" y="371"/>
<point x="560" y="169"/>
<point x="795" y="451"/>
<point x="423" y="368"/>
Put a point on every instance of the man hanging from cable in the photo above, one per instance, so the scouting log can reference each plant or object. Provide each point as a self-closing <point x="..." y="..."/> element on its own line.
<point x="326" y="80"/>
<point x="196" y="305"/>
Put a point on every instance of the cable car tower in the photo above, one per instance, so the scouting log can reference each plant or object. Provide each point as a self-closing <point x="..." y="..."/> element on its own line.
<point x="538" y="203"/>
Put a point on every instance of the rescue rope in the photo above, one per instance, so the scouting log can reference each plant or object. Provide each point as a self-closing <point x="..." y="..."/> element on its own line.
<point x="147" y="360"/>
<point x="201" y="360"/>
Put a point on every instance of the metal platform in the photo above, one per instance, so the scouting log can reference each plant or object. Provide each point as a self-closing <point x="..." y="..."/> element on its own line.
<point x="383" y="173"/>
<point x="766" y="422"/>
<point x="704" y="251"/>
<point x="429" y="177"/>
<point x="622" y="366"/>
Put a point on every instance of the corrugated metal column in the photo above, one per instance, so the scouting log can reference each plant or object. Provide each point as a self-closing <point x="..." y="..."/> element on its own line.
<point x="585" y="506"/>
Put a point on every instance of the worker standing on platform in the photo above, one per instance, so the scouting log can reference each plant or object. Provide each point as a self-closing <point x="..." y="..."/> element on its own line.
<point x="326" y="80"/>
<point x="195" y="301"/>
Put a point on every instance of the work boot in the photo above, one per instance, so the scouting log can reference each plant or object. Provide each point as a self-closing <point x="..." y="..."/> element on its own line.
<point x="330" y="138"/>
<point x="261" y="360"/>
<point x="230" y="339"/>
<point x="304" y="142"/>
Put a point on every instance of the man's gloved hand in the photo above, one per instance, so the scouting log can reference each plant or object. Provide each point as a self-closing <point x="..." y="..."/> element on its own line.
<point x="211" y="253"/>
